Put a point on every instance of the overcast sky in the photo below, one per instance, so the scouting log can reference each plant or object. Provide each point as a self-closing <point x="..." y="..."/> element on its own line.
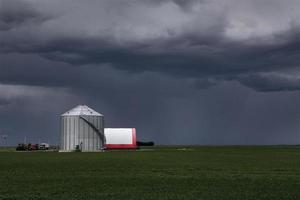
<point x="180" y="71"/>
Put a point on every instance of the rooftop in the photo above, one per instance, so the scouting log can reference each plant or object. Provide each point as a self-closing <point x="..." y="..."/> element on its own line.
<point x="81" y="110"/>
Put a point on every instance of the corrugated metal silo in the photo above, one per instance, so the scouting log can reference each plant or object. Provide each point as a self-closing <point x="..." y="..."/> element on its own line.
<point x="84" y="127"/>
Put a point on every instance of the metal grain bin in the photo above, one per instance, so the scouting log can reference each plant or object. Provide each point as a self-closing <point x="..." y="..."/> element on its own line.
<point x="82" y="127"/>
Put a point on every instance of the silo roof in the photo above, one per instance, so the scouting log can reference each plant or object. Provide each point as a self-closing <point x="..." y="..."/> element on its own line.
<point x="81" y="110"/>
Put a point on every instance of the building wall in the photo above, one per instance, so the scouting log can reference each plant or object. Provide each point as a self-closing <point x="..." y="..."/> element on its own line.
<point x="76" y="131"/>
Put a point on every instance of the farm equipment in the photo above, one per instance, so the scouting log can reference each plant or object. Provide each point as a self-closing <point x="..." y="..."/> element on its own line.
<point x="32" y="147"/>
<point x="43" y="146"/>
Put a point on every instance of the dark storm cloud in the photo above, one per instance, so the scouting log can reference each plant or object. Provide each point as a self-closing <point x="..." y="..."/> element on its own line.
<point x="271" y="82"/>
<point x="17" y="12"/>
<point x="240" y="62"/>
<point x="200" y="48"/>
<point x="4" y="102"/>
<point x="203" y="83"/>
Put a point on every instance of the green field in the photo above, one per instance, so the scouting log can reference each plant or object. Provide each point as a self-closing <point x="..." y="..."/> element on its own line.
<point x="161" y="173"/>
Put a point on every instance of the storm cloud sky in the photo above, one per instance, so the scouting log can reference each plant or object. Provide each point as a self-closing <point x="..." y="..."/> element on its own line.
<point x="180" y="71"/>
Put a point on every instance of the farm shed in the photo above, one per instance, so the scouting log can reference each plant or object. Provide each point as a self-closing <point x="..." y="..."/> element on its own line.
<point x="120" y="138"/>
<point x="82" y="127"/>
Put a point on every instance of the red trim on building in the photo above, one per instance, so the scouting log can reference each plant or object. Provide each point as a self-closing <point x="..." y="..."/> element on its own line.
<point x="120" y="146"/>
<point x="134" y="137"/>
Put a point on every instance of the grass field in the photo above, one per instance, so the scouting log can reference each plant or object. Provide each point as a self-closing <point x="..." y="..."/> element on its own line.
<point x="161" y="173"/>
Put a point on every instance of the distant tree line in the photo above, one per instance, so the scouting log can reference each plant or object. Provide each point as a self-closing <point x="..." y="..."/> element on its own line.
<point x="140" y="143"/>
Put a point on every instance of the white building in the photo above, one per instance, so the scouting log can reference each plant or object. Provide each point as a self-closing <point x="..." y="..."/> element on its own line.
<point x="120" y="138"/>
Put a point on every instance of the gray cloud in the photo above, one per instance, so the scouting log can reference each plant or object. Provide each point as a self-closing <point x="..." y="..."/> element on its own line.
<point x="4" y="102"/>
<point x="271" y="82"/>
<point x="200" y="43"/>
<point x="14" y="13"/>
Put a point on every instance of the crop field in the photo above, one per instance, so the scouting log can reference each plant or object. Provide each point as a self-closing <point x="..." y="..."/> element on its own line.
<point x="262" y="172"/>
